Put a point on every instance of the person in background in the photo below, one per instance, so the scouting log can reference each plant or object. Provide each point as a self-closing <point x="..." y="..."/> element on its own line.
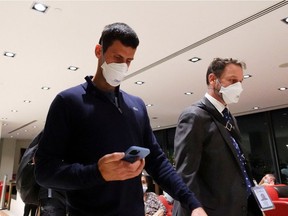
<point x="153" y="206"/>
<point x="207" y="146"/>
<point x="167" y="201"/>
<point x="88" y="129"/>
<point x="268" y="179"/>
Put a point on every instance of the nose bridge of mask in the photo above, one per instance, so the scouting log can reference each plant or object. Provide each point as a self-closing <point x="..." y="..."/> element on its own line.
<point x="235" y="86"/>
<point x="121" y="68"/>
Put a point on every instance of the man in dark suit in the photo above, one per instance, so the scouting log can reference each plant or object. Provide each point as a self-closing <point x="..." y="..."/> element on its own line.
<point x="207" y="147"/>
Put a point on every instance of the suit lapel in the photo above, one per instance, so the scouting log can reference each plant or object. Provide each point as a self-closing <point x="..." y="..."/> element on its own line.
<point x="220" y="122"/>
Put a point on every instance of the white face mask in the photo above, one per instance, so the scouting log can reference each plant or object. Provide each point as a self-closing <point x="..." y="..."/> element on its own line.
<point x="231" y="93"/>
<point x="114" y="73"/>
<point x="144" y="186"/>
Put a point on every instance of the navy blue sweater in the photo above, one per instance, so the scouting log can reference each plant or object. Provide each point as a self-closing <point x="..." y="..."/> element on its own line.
<point x="83" y="125"/>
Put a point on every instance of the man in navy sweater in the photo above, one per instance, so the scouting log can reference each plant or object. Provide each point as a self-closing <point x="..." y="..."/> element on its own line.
<point x="87" y="131"/>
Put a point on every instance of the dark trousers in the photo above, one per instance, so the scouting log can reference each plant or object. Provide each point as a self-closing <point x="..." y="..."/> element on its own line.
<point x="28" y="208"/>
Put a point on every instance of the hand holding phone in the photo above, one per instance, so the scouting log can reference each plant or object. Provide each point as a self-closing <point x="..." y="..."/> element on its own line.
<point x="135" y="153"/>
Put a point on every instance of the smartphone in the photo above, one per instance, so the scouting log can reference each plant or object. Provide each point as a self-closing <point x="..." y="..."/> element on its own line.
<point x="135" y="153"/>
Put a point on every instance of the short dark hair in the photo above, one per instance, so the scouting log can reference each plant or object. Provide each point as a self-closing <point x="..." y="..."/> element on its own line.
<point x="118" y="31"/>
<point x="218" y="65"/>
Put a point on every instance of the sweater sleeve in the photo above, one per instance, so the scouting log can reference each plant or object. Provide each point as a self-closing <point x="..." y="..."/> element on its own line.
<point x="162" y="171"/>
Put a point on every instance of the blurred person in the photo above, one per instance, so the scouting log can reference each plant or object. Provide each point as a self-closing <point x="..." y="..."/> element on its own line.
<point x="167" y="201"/>
<point x="268" y="179"/>
<point x="153" y="205"/>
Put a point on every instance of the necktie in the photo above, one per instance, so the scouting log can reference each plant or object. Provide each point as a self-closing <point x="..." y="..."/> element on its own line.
<point x="240" y="156"/>
<point x="228" y="119"/>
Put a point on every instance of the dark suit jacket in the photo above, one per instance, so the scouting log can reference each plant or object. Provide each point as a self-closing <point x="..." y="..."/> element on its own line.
<point x="207" y="161"/>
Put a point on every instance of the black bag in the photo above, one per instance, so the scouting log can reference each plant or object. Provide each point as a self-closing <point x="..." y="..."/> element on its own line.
<point x="26" y="183"/>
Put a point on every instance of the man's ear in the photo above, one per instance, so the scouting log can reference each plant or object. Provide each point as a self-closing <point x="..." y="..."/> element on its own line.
<point x="98" y="51"/>
<point x="212" y="79"/>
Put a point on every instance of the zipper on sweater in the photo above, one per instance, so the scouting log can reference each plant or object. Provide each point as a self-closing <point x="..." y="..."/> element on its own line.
<point x="117" y="104"/>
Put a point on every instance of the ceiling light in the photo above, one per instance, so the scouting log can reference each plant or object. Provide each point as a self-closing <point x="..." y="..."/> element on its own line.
<point x="73" y="68"/>
<point x="256" y="108"/>
<point x="39" y="7"/>
<point x="45" y="88"/>
<point x="284" y="65"/>
<point x="188" y="93"/>
<point x="149" y="105"/>
<point x="246" y="76"/>
<point x="27" y="101"/>
<point x="9" y="54"/>
<point x="282" y="88"/>
<point x="139" y="82"/>
<point x="194" y="59"/>
<point x="14" y="111"/>
<point x="285" y="20"/>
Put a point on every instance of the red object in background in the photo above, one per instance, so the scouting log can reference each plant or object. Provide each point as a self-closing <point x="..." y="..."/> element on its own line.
<point x="279" y="196"/>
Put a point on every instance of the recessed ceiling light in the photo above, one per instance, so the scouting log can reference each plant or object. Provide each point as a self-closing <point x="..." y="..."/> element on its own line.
<point x="188" y="93"/>
<point x="284" y="65"/>
<point x="194" y="59"/>
<point x="282" y="88"/>
<point x="9" y="54"/>
<point x="149" y="105"/>
<point x="246" y="76"/>
<point x="4" y="124"/>
<point x="27" y="101"/>
<point x="285" y="20"/>
<point x="139" y="82"/>
<point x="45" y="88"/>
<point x="39" y="7"/>
<point x="256" y="108"/>
<point x="14" y="111"/>
<point x="73" y="68"/>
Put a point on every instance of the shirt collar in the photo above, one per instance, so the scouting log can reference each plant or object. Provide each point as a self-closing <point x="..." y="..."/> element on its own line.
<point x="219" y="106"/>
